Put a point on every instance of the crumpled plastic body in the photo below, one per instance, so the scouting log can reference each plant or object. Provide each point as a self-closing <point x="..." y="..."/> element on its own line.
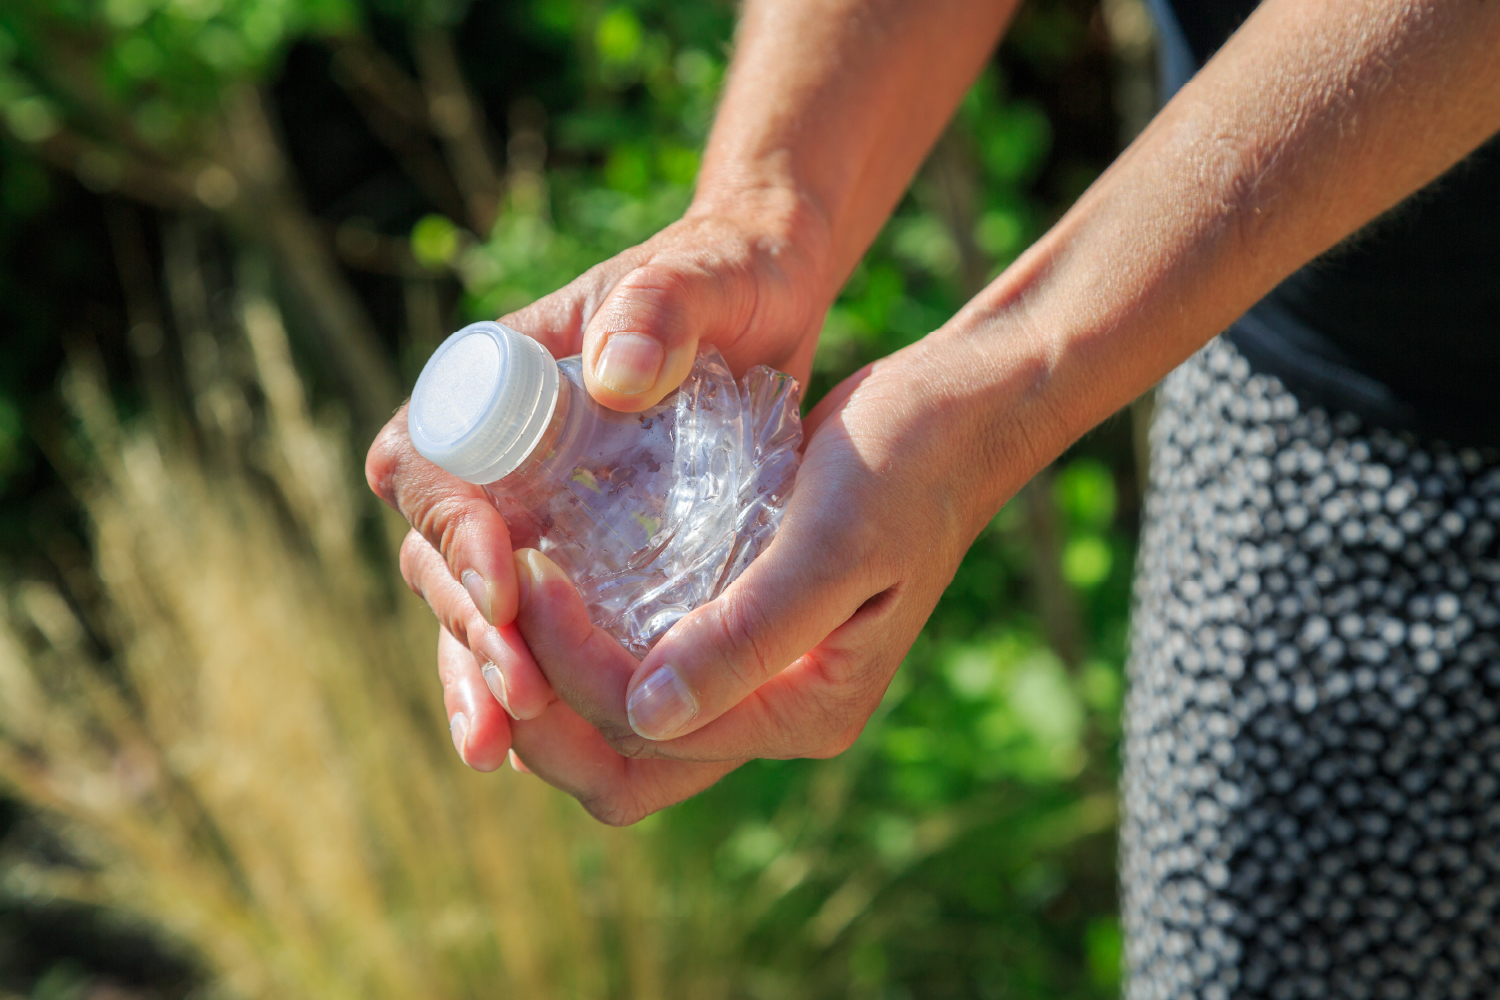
<point x="653" y="514"/>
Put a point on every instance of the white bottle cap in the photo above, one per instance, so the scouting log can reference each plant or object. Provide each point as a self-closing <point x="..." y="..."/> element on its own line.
<point x="482" y="402"/>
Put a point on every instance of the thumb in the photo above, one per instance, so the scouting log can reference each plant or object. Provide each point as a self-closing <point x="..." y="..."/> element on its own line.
<point x="790" y="599"/>
<point x="641" y="342"/>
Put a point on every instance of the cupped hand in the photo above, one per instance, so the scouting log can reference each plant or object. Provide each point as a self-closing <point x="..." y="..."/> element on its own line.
<point x="906" y="462"/>
<point x="758" y="292"/>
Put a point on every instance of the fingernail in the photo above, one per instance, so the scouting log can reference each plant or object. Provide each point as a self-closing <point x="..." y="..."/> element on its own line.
<point x="479" y="591"/>
<point x="532" y="568"/>
<point x="662" y="706"/>
<point x="523" y="577"/>
<point x="458" y="727"/>
<point x="629" y="363"/>
<point x="495" y="681"/>
<point x="516" y="763"/>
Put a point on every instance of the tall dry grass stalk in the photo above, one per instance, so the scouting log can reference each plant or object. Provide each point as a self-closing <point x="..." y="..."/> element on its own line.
<point x="259" y="767"/>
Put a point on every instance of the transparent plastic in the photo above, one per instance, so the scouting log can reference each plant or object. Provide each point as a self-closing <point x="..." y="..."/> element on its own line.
<point x="653" y="514"/>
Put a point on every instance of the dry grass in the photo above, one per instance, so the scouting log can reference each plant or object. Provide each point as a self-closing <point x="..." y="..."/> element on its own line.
<point x="259" y="765"/>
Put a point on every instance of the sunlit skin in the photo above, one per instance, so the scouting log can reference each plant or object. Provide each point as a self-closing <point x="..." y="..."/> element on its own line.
<point x="1317" y="116"/>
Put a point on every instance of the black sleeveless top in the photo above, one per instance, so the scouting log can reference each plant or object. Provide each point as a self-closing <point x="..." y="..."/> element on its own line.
<point x="1400" y="322"/>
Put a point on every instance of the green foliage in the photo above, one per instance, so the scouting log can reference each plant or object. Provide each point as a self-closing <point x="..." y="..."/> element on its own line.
<point x="1106" y="952"/>
<point x="1085" y="492"/>
<point x="24" y="187"/>
<point x="435" y="241"/>
<point x="155" y="64"/>
<point x="651" y="74"/>
<point x="11" y="435"/>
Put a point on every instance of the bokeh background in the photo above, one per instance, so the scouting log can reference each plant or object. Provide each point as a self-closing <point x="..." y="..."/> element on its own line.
<point x="230" y="233"/>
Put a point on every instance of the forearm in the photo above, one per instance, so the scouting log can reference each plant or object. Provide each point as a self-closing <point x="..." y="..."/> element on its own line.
<point x="830" y="107"/>
<point x="1316" y="117"/>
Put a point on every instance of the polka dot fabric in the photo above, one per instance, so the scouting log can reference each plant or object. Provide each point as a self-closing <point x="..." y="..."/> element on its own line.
<point x="1312" y="776"/>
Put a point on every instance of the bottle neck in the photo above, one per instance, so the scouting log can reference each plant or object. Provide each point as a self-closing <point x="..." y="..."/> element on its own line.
<point x="559" y="430"/>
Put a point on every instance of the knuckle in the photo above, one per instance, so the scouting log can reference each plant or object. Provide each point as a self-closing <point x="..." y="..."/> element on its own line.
<point x="664" y="277"/>
<point x="444" y="519"/>
<point x="459" y="617"/>
<point x="626" y="743"/>
<point x="838" y="742"/>
<point x="449" y="666"/>
<point x="411" y="559"/>
<point x="442" y="509"/>
<point x="457" y="625"/>
<point x="653" y="296"/>
<point x="613" y="808"/>
<point x="845" y="698"/>
<point x="381" y="461"/>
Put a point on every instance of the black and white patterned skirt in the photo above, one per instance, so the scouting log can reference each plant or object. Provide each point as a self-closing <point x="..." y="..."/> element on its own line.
<point x="1312" y="776"/>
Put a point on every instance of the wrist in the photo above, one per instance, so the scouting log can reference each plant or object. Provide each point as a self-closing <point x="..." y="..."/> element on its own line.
<point x="783" y="223"/>
<point x="1003" y="391"/>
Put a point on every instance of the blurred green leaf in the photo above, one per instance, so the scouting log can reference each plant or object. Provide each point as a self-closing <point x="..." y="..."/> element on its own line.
<point x="1102" y="686"/>
<point x="910" y="745"/>
<point x="1086" y="561"/>
<point x="1104" y="945"/>
<point x="894" y="837"/>
<point x="139" y="56"/>
<point x="556" y="17"/>
<point x="868" y="965"/>
<point x="24" y="186"/>
<point x="1000" y="233"/>
<point x="1014" y="143"/>
<point x="62" y="982"/>
<point x="32" y="118"/>
<point x="618" y="37"/>
<point x="972" y="672"/>
<point x="925" y="241"/>
<point x="1085" y="491"/>
<point x="435" y="241"/>
<point x="751" y="848"/>
<point x="696" y="69"/>
<point x="677" y="164"/>
<point x="628" y="169"/>
<point x="1044" y="701"/>
<point x="1047" y="34"/>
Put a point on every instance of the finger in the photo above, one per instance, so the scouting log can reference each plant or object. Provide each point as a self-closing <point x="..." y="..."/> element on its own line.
<point x="562" y="749"/>
<point x="505" y="663"/>
<point x="817" y="706"/>
<point x="585" y="666"/>
<point x="480" y="730"/>
<point x="456" y="517"/>
<point x="641" y="342"/>
<point x="591" y="673"/>
<point x="821" y="568"/>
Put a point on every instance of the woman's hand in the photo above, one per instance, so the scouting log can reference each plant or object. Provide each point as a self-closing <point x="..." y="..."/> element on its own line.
<point x="756" y="292"/>
<point x="751" y="276"/>
<point x="906" y="462"/>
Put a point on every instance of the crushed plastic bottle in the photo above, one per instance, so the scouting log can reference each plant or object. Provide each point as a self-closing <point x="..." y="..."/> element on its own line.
<point x="650" y="514"/>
